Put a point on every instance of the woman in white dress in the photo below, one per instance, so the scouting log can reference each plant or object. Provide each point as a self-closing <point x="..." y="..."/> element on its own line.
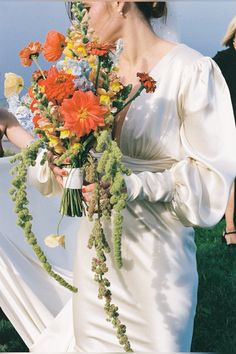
<point x="180" y="144"/>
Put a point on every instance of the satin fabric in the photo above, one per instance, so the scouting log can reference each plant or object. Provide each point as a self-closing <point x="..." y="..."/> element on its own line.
<point x="180" y="143"/>
<point x="36" y="305"/>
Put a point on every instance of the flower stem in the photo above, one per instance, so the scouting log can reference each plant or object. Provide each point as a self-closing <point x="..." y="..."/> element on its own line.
<point x="131" y="99"/>
<point x="98" y="71"/>
<point x="38" y="66"/>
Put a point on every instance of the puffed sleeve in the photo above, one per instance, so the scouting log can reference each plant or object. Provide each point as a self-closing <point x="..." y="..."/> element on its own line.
<point x="43" y="179"/>
<point x="197" y="186"/>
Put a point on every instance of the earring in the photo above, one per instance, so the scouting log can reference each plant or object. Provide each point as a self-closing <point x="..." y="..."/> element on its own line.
<point x="121" y="13"/>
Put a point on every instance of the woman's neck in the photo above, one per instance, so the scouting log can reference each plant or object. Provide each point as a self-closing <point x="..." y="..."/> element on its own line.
<point x="139" y="43"/>
<point x="142" y="47"/>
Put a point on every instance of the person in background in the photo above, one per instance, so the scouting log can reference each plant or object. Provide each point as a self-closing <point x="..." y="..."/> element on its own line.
<point x="226" y="60"/>
<point x="10" y="127"/>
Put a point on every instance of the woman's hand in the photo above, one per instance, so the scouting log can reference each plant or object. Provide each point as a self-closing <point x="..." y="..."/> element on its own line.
<point x="58" y="172"/>
<point x="88" y="190"/>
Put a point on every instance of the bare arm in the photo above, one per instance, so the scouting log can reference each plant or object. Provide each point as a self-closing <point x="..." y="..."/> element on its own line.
<point x="10" y="126"/>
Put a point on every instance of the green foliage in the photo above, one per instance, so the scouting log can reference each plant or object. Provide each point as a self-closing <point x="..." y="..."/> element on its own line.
<point x="19" y="196"/>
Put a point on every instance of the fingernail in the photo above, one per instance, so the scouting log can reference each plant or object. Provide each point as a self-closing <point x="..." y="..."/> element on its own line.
<point x="64" y="173"/>
<point x="83" y="189"/>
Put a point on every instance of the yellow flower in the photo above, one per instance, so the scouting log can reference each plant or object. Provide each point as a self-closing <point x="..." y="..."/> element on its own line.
<point x="68" y="53"/>
<point x="69" y="45"/>
<point x="13" y="84"/>
<point x="54" y="240"/>
<point x="80" y="50"/>
<point x="116" y="86"/>
<point x="105" y="100"/>
<point x="53" y="140"/>
<point x="46" y="125"/>
<point x="76" y="146"/>
<point x="59" y="149"/>
<point x="64" y="133"/>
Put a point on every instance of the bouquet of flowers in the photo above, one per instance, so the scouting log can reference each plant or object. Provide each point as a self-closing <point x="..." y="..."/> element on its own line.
<point x="74" y="105"/>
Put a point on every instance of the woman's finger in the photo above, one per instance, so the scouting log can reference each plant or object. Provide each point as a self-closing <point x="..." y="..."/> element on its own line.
<point x="89" y="188"/>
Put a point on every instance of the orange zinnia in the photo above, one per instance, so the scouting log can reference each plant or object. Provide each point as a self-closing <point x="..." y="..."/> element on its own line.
<point x="99" y="49"/>
<point x="147" y="81"/>
<point x="54" y="46"/>
<point x="32" y="50"/>
<point x="83" y="113"/>
<point x="58" y="85"/>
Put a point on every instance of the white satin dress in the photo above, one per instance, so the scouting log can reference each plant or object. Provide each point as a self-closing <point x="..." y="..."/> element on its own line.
<point x="180" y="143"/>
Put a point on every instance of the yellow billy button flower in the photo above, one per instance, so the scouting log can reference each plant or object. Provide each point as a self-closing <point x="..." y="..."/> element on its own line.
<point x="55" y="240"/>
<point x="13" y="84"/>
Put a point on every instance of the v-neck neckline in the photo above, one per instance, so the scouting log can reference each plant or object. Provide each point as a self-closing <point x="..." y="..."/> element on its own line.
<point x="165" y="57"/>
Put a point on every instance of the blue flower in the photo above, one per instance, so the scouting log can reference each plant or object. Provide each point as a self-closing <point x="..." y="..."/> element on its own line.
<point x="79" y="68"/>
<point x="83" y="84"/>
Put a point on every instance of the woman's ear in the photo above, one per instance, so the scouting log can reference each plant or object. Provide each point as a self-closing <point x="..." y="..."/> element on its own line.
<point x="122" y="7"/>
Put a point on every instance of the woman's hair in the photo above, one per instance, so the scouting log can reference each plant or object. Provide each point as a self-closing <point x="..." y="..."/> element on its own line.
<point x="152" y="9"/>
<point x="148" y="9"/>
<point x="230" y="33"/>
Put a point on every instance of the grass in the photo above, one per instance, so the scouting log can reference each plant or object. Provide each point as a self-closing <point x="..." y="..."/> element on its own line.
<point x="215" y="325"/>
<point x="10" y="341"/>
<point x="216" y="312"/>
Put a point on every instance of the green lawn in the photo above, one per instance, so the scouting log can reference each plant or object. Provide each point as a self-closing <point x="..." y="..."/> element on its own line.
<point x="215" y="328"/>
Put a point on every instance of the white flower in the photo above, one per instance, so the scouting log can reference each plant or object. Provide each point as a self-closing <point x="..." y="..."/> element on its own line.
<point x="13" y="84"/>
<point x="54" y="240"/>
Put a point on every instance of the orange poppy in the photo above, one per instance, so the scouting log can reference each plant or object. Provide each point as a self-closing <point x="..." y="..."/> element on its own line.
<point x="54" y="46"/>
<point x="100" y="49"/>
<point x="83" y="113"/>
<point x="32" y="50"/>
<point x="147" y="81"/>
<point x="38" y="75"/>
<point x="58" y="85"/>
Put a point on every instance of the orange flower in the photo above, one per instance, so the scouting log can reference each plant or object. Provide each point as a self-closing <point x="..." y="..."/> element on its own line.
<point x="30" y="92"/>
<point x="32" y="50"/>
<point x="35" y="120"/>
<point x="100" y="49"/>
<point x="58" y="85"/>
<point x="54" y="46"/>
<point x="37" y="75"/>
<point x="147" y="81"/>
<point x="34" y="105"/>
<point x="83" y="113"/>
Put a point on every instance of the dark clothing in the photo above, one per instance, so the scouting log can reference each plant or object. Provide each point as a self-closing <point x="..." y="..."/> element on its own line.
<point x="226" y="60"/>
<point x="1" y="149"/>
